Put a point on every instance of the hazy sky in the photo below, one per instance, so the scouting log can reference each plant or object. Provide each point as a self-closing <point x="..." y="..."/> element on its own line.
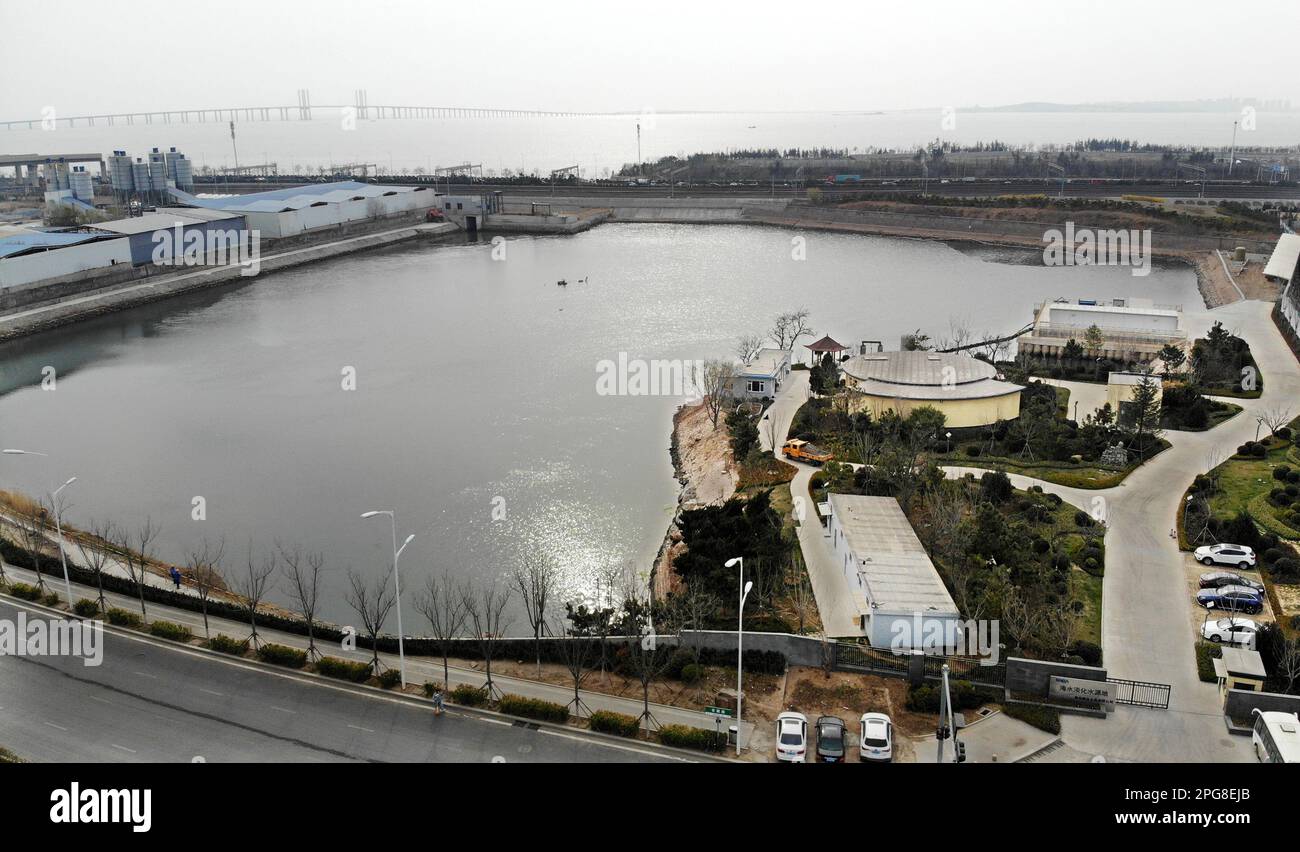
<point x="81" y="56"/>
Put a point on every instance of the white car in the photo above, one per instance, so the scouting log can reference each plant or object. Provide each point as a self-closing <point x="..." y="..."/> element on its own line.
<point x="1237" y="631"/>
<point x="1226" y="554"/>
<point x="875" y="738"/>
<point x="792" y="737"/>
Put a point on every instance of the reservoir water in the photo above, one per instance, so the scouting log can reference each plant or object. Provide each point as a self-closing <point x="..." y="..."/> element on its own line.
<point x="475" y="387"/>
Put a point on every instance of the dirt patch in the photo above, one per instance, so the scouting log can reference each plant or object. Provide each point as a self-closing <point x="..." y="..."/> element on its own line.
<point x="1216" y="287"/>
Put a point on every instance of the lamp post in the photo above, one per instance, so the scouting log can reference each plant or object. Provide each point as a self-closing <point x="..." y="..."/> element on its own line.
<point x="58" y="527"/>
<point x="397" y="584"/>
<point x="949" y="437"/>
<point x="740" y="638"/>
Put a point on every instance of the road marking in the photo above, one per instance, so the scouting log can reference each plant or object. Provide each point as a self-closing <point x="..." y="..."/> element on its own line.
<point x="123" y="748"/>
<point x="210" y="692"/>
<point x="282" y="710"/>
<point x="100" y="700"/>
<point x="359" y="728"/>
<point x="52" y="725"/>
<point x="146" y="674"/>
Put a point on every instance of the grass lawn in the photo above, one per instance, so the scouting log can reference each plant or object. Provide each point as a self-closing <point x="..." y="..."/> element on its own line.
<point x="1059" y="473"/>
<point x="1087" y="588"/>
<point x="1241" y="480"/>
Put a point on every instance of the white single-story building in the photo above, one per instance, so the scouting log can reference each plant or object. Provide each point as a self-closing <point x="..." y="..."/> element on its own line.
<point x="901" y="599"/>
<point x="279" y="213"/>
<point x="763" y="375"/>
<point x="1131" y="329"/>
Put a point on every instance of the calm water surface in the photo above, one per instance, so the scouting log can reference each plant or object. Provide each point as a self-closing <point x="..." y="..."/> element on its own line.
<point x="476" y="380"/>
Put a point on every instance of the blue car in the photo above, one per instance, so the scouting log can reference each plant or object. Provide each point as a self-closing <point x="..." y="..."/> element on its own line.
<point x="1232" y="599"/>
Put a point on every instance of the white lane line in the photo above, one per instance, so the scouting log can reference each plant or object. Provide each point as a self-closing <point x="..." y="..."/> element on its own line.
<point x="100" y="700"/>
<point x="59" y="727"/>
<point x="359" y="728"/>
<point x="146" y="674"/>
<point x="210" y="691"/>
<point x="283" y="710"/>
<point x="123" y="748"/>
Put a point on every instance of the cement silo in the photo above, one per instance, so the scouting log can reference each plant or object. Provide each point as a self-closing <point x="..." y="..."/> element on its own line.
<point x="119" y="174"/>
<point x="83" y="189"/>
<point x="140" y="177"/>
<point x="180" y="171"/>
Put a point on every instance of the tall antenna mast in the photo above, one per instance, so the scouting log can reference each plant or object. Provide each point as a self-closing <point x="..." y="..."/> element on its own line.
<point x="233" y="146"/>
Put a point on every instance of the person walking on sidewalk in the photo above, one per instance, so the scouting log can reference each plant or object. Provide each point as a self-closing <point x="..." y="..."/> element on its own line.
<point x="176" y="577"/>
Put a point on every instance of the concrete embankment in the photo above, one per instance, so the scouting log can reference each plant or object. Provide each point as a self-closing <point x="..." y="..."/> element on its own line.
<point x="103" y="301"/>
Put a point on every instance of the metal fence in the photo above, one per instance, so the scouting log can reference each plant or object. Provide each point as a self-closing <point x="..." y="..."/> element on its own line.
<point x="867" y="660"/>
<point x="863" y="658"/>
<point x="970" y="669"/>
<point x="1141" y="694"/>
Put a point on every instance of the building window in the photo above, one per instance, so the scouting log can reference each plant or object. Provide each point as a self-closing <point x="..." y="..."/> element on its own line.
<point x="755" y="387"/>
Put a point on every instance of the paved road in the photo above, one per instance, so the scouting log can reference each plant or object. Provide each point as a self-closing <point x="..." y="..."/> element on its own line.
<point x="161" y="704"/>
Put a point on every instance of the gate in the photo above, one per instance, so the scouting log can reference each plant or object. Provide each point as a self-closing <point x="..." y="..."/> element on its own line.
<point x="1141" y="694"/>
<point x="863" y="658"/>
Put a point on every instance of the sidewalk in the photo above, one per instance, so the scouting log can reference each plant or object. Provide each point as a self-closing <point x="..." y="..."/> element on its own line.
<point x="418" y="669"/>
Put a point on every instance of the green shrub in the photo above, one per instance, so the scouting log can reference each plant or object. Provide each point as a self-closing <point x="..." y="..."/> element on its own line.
<point x="965" y="696"/>
<point x="228" y="645"/>
<point x="681" y="658"/>
<point x="170" y="630"/>
<point x="692" y="673"/>
<point x="24" y="591"/>
<point x="1206" y="654"/>
<point x="343" y="669"/>
<point x="429" y="688"/>
<point x="282" y="655"/>
<point x="533" y="708"/>
<point x="1043" y="718"/>
<point x="682" y="736"/>
<point x="86" y="608"/>
<point x="469" y="696"/>
<point x="1089" y="652"/>
<point x="50" y="599"/>
<point x="390" y="678"/>
<point x="122" y="618"/>
<point x="619" y="724"/>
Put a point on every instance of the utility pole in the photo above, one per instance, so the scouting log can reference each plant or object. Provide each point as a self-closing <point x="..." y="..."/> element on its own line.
<point x="638" y="146"/>
<point x="233" y="146"/>
<point x="1232" y="158"/>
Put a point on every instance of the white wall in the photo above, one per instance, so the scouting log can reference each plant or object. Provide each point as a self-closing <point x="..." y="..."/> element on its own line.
<point x="17" y="271"/>
<point x="1118" y="320"/>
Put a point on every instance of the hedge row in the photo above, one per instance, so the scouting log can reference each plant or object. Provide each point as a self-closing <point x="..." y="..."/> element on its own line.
<point x="282" y="655"/>
<point x="228" y="645"/>
<point x="682" y="736"/>
<point x="618" y="724"/>
<point x="1043" y="718"/>
<point x="533" y="708"/>
<point x="469" y="696"/>
<point x="171" y="630"/>
<point x="343" y="669"/>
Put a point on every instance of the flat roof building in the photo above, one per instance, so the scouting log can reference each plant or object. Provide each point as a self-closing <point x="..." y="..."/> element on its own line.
<point x="901" y="600"/>
<point x="153" y="236"/>
<point x="763" y="375"/>
<point x="967" y="390"/>
<point x="1131" y="329"/>
<point x="295" y="210"/>
<point x="28" y="257"/>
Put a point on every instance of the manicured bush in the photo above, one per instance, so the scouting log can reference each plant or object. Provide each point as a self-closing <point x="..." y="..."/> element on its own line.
<point x="429" y="688"/>
<point x="692" y="673"/>
<point x="50" y="599"/>
<point x="1089" y="652"/>
<point x="1082" y="519"/>
<point x="609" y="722"/>
<point x="973" y="450"/>
<point x="282" y="655"/>
<point x="228" y="645"/>
<point x="681" y="658"/>
<point x="469" y="696"/>
<point x="24" y="591"/>
<point x="170" y="630"/>
<point x="995" y="486"/>
<point x="86" y="608"/>
<point x="682" y="736"/>
<point x="1280" y="472"/>
<point x="1043" y="718"/>
<point x="533" y="708"/>
<point x="390" y="678"/>
<point x="343" y="669"/>
<point x="925" y="698"/>
<point x="1206" y="654"/>
<point x="122" y="618"/>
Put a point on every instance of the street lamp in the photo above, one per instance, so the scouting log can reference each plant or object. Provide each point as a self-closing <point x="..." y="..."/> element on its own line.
<point x="397" y="584"/>
<point x="949" y="437"/>
<point x="58" y="527"/>
<point x="740" y="637"/>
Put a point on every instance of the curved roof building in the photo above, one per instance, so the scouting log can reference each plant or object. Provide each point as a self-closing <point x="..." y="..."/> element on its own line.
<point x="965" y="389"/>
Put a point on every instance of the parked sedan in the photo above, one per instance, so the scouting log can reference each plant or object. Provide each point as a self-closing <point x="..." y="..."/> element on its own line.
<point x="875" y="738"/>
<point x="1226" y="554"/>
<point x="1232" y="599"/>
<point x="792" y="737"/>
<point x="1237" y="631"/>
<point x="830" y="739"/>
<point x="1218" y="579"/>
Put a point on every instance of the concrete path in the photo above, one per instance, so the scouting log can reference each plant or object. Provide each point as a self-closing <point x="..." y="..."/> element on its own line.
<point x="994" y="739"/>
<point x="1086" y="398"/>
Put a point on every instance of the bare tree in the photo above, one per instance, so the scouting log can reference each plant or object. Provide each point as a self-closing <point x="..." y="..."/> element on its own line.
<point x="787" y="328"/>
<point x="576" y="653"/>
<point x="1275" y="418"/>
<point x="713" y="380"/>
<point x="137" y="550"/>
<point x="802" y="601"/>
<point x="645" y="661"/>
<point x="31" y="535"/>
<point x="486" y="610"/>
<point x="95" y="556"/>
<point x="251" y="586"/>
<point x="372" y="603"/>
<point x="1286" y="658"/>
<point x="443" y="604"/>
<point x="535" y="580"/>
<point x="301" y="573"/>
<point x="204" y="568"/>
<point x="747" y="346"/>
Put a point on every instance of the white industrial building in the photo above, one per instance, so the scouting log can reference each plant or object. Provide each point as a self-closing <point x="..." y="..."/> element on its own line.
<point x="31" y="256"/>
<point x="298" y="210"/>
<point x="763" y="375"/>
<point x="1282" y="267"/>
<point x="901" y="600"/>
<point x="1132" y="329"/>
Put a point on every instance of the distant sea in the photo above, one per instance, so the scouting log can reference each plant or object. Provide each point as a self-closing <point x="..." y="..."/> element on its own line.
<point x="602" y="143"/>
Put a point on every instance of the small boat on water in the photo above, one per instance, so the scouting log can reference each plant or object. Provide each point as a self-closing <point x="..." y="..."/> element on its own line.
<point x="562" y="283"/>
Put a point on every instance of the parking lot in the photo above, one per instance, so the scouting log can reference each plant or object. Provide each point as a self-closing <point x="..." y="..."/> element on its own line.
<point x="1199" y="614"/>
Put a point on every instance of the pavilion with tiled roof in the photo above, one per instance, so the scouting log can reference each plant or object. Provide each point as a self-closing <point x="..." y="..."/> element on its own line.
<point x="826" y="344"/>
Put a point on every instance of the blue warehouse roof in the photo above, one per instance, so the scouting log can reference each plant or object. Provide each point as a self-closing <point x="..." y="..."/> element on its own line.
<point x="14" y="245"/>
<point x="295" y="197"/>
